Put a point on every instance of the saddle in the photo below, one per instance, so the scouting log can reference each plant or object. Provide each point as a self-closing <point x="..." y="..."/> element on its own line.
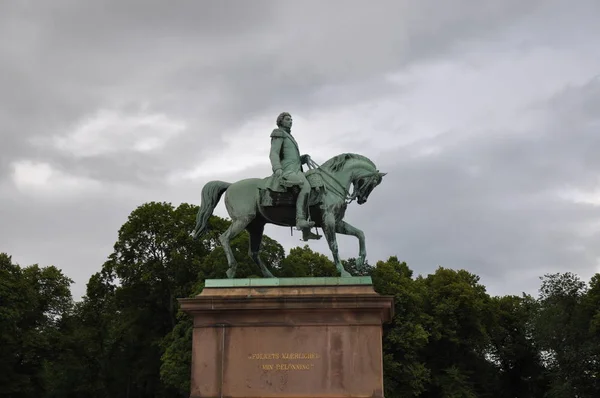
<point x="286" y="197"/>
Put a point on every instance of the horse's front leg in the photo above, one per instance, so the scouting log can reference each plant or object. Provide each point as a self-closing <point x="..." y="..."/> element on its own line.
<point x="329" y="229"/>
<point x="344" y="228"/>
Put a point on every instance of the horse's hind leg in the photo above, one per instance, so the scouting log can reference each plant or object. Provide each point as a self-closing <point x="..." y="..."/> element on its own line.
<point x="237" y="226"/>
<point x="256" y="229"/>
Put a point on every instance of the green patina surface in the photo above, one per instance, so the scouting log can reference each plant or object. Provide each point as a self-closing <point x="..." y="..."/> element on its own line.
<point x="250" y="282"/>
<point x="341" y="180"/>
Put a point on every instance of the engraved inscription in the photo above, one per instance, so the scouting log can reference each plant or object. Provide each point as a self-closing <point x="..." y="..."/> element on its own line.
<point x="301" y="357"/>
<point x="263" y="356"/>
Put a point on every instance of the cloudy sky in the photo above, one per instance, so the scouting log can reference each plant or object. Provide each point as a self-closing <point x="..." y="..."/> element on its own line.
<point x="485" y="114"/>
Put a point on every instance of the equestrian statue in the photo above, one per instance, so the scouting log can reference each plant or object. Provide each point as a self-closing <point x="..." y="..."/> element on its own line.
<point x="292" y="197"/>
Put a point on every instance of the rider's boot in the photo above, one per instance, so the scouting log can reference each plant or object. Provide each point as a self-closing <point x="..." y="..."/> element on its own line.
<point x="308" y="235"/>
<point x="301" y="222"/>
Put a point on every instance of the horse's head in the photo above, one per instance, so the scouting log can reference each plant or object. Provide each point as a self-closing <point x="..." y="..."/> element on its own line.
<point x="355" y="169"/>
<point x="364" y="185"/>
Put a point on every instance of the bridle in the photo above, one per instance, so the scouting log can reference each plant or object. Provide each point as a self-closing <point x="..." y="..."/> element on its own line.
<point x="341" y="190"/>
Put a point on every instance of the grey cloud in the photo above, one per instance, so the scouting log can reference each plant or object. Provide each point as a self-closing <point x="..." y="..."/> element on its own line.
<point x="75" y="236"/>
<point x="76" y="58"/>
<point x="78" y="235"/>
<point x="489" y="202"/>
<point x="506" y="221"/>
<point x="214" y="67"/>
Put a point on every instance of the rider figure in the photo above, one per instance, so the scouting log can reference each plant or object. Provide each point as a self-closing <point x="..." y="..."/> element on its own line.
<point x="287" y="168"/>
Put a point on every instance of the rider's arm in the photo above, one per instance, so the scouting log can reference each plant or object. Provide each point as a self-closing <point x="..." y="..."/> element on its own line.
<point x="276" y="143"/>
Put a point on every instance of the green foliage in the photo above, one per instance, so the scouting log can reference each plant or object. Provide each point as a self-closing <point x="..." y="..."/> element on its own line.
<point x="214" y="264"/>
<point x="565" y="329"/>
<point x="513" y="350"/>
<point x="350" y="266"/>
<point x="177" y="357"/>
<point x="34" y="303"/>
<point x="406" y="375"/>
<point x="303" y="262"/>
<point x="457" y="311"/>
<point x="155" y="261"/>
<point x="127" y="338"/>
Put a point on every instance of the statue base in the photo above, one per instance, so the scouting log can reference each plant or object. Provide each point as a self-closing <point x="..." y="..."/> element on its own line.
<point x="288" y="337"/>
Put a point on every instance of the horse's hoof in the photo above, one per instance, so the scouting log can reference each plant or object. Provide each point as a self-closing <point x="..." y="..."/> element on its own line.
<point x="230" y="273"/>
<point x="345" y="274"/>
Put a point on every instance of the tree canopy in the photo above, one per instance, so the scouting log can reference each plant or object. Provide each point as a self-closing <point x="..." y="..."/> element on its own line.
<point x="126" y="337"/>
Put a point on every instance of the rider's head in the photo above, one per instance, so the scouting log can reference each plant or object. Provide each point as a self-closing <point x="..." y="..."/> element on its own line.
<point x="284" y="120"/>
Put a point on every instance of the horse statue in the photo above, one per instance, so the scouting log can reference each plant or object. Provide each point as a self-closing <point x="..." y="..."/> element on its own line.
<point x="251" y="205"/>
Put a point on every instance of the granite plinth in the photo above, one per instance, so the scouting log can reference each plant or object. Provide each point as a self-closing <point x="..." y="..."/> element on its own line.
<point x="288" y="337"/>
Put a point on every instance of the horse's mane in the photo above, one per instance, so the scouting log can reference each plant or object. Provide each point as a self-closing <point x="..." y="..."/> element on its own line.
<point x="338" y="162"/>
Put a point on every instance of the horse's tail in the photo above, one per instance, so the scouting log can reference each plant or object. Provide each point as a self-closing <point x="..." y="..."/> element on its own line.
<point x="211" y="194"/>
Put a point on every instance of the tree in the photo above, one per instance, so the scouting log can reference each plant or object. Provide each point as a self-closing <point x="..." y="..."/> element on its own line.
<point x="406" y="374"/>
<point x="303" y="262"/>
<point x="214" y="265"/>
<point x="350" y="266"/>
<point x="564" y="328"/>
<point x="177" y="344"/>
<point x="113" y="337"/>
<point x="513" y="348"/>
<point x="90" y="364"/>
<point x="457" y="310"/>
<point x="176" y="361"/>
<point x="35" y="300"/>
<point x="591" y="309"/>
<point x="127" y="338"/>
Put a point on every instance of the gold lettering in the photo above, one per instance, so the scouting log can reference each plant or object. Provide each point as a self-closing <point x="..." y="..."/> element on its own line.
<point x="294" y="366"/>
<point x="263" y="356"/>
<point x="288" y="356"/>
<point x="300" y="355"/>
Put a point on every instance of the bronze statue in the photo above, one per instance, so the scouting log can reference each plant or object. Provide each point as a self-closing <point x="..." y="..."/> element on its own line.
<point x="287" y="168"/>
<point x="291" y="197"/>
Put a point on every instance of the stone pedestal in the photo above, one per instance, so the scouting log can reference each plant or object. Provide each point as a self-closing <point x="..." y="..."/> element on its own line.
<point x="289" y="337"/>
